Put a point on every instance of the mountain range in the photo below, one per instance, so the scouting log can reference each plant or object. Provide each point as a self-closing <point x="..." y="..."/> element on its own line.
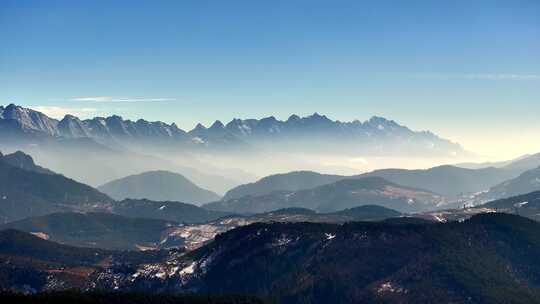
<point x="451" y="182"/>
<point x="378" y="136"/>
<point x="343" y="194"/>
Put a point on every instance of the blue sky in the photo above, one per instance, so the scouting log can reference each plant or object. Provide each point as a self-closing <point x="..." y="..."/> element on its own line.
<point x="467" y="70"/>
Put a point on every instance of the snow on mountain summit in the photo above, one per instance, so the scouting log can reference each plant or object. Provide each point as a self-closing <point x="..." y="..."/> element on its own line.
<point x="376" y="135"/>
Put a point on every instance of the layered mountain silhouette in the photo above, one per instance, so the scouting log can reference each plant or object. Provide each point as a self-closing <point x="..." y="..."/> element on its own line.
<point x="377" y="135"/>
<point x="37" y="191"/>
<point x="291" y="181"/>
<point x="343" y="194"/>
<point x="448" y="181"/>
<point x="528" y="181"/>
<point x="158" y="186"/>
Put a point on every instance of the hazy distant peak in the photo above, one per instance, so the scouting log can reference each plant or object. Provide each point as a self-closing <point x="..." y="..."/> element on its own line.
<point x="70" y="117"/>
<point x="29" y="119"/>
<point x="235" y="123"/>
<point x="269" y="119"/>
<point x="377" y="136"/>
<point x="317" y="117"/>
<point x="114" y="118"/>
<point x="293" y="118"/>
<point x="159" y="185"/>
<point x="217" y="125"/>
<point x="199" y="126"/>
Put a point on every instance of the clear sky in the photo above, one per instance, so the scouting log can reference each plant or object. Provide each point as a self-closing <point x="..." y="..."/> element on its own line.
<point x="467" y="70"/>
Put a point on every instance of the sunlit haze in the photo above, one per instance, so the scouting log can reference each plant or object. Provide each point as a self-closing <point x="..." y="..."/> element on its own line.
<point x="467" y="71"/>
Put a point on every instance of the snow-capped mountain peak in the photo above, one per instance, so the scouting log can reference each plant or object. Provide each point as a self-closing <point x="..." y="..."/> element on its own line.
<point x="376" y="135"/>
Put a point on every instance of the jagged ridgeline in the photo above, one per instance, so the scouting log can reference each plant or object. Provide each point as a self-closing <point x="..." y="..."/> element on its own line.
<point x="377" y="136"/>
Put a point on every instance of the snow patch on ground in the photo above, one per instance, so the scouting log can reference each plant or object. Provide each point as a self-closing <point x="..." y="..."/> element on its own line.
<point x="283" y="240"/>
<point x="389" y="287"/>
<point x="518" y="205"/>
<point x="41" y="235"/>
<point x="190" y="269"/>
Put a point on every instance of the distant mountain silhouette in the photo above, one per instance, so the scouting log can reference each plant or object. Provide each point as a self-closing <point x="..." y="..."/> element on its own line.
<point x="158" y="186"/>
<point x="519" y="164"/>
<point x="528" y="181"/>
<point x="345" y="193"/>
<point x="450" y="181"/>
<point x="377" y="136"/>
<point x="292" y="181"/>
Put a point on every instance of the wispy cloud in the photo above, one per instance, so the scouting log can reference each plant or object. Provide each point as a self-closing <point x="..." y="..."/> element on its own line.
<point x="60" y="112"/>
<point x="503" y="76"/>
<point x="481" y="76"/>
<point x="119" y="99"/>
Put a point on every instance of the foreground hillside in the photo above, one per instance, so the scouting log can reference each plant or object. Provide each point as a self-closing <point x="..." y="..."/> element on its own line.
<point x="195" y="235"/>
<point x="374" y="262"/>
<point x="112" y="231"/>
<point x="98" y="230"/>
<point x="491" y="258"/>
<point x="122" y="298"/>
